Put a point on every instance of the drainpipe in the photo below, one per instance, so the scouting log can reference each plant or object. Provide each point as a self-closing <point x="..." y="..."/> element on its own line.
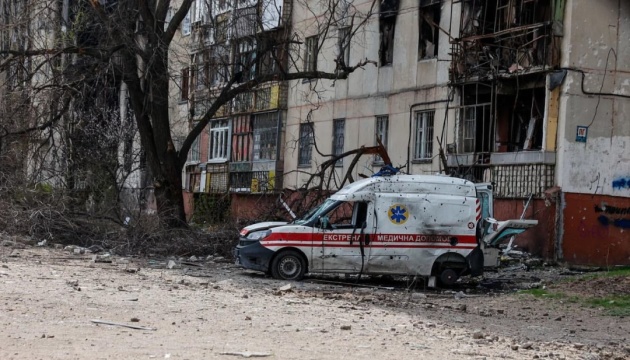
<point x="411" y="122"/>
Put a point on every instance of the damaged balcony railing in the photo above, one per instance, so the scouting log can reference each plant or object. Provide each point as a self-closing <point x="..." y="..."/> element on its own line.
<point x="511" y="180"/>
<point x="504" y="37"/>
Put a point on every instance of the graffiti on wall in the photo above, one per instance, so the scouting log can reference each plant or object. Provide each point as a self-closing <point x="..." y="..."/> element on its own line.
<point x="615" y="216"/>
<point x="621" y="183"/>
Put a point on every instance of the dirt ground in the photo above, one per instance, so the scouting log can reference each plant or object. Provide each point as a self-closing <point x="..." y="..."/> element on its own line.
<point x="213" y="309"/>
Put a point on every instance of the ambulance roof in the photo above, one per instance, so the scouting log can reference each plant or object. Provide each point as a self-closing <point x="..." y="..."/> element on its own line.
<point x="410" y="184"/>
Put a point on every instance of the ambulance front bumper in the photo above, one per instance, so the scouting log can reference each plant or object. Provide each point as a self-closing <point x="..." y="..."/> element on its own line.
<point x="252" y="255"/>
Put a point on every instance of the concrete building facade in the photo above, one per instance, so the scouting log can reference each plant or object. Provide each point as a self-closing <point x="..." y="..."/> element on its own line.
<point x="530" y="95"/>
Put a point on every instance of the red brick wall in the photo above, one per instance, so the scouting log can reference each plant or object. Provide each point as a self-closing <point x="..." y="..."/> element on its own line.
<point x="539" y="240"/>
<point x="596" y="230"/>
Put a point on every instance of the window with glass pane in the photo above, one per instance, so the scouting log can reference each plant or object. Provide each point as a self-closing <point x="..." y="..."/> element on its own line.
<point x="265" y="136"/>
<point x="423" y="147"/>
<point x="305" y="144"/>
<point x="219" y="142"/>
<point x="194" y="151"/>
<point x="381" y="132"/>
<point x="246" y="59"/>
<point x="344" y="45"/>
<point x="310" y="55"/>
<point x="339" y="128"/>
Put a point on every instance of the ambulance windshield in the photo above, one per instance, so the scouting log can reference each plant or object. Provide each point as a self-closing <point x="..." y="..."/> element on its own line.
<point x="311" y="216"/>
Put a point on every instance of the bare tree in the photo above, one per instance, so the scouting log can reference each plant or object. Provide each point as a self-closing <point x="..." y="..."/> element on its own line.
<point x="132" y="41"/>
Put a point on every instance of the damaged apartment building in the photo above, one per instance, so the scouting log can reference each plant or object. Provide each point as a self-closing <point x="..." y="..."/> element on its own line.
<point x="530" y="95"/>
<point x="240" y="152"/>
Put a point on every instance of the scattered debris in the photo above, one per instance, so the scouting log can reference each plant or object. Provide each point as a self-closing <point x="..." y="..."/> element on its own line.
<point x="171" y="264"/>
<point x="346" y="327"/>
<point x="246" y="354"/>
<point x="105" y="258"/>
<point x="42" y="243"/>
<point x="284" y="288"/>
<point x="105" y="322"/>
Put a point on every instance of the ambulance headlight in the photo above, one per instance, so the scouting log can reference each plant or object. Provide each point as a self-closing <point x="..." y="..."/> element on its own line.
<point x="258" y="235"/>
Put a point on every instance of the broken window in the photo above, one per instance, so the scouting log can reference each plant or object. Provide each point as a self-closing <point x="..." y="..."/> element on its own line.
<point x="519" y="118"/>
<point x="339" y="130"/>
<point x="305" y="144"/>
<point x="387" y="26"/>
<point x="429" y="31"/>
<point x="245" y="67"/>
<point x="343" y="44"/>
<point x="423" y="149"/>
<point x="265" y="136"/>
<point x="380" y="133"/>
<point x="268" y="56"/>
<point x="218" y="147"/>
<point x="310" y="53"/>
<point x="476" y="127"/>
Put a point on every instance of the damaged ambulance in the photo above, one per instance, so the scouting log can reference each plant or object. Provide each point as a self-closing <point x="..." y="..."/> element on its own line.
<point x="433" y="226"/>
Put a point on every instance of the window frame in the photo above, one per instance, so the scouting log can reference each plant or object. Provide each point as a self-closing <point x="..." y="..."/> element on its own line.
<point x="424" y="123"/>
<point x="184" y="88"/>
<point x="343" y="44"/>
<point x="310" y="53"/>
<point x="194" y="155"/>
<point x="305" y="148"/>
<point x="379" y="130"/>
<point x="338" y="139"/>
<point x="216" y="154"/>
<point x="266" y="132"/>
<point x="434" y="10"/>
<point x="186" y="27"/>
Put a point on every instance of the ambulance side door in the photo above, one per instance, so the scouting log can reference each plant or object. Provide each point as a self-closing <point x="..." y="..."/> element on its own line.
<point x="342" y="238"/>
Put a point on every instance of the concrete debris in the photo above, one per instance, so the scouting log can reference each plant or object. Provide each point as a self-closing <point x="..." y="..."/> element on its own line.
<point x="418" y="296"/>
<point x="527" y="346"/>
<point x="171" y="264"/>
<point x="105" y="258"/>
<point x="246" y="354"/>
<point x="209" y="257"/>
<point x="285" y="288"/>
<point x="14" y="254"/>
<point x="42" y="243"/>
<point x="346" y="327"/>
<point x="193" y="258"/>
<point x="478" y="335"/>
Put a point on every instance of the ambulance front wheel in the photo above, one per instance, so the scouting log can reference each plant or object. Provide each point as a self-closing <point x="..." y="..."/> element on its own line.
<point x="448" y="277"/>
<point x="288" y="265"/>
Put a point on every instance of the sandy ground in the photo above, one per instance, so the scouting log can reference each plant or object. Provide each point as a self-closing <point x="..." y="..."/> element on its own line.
<point x="48" y="299"/>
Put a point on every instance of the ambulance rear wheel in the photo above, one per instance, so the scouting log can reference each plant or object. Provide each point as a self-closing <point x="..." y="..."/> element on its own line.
<point x="448" y="277"/>
<point x="288" y="265"/>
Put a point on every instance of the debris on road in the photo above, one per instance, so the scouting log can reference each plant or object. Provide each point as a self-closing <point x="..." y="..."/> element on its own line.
<point x="245" y="354"/>
<point x="104" y="322"/>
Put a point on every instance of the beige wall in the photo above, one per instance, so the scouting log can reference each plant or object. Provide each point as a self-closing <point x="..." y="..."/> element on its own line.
<point x="371" y="91"/>
<point x="592" y="29"/>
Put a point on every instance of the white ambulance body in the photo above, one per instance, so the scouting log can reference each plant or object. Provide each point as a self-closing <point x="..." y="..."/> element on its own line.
<point x="430" y="226"/>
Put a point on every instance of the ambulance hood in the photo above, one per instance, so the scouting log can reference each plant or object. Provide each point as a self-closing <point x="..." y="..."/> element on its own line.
<point x="261" y="226"/>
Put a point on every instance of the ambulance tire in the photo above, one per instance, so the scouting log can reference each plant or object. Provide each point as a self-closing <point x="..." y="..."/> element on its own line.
<point x="288" y="265"/>
<point x="448" y="277"/>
